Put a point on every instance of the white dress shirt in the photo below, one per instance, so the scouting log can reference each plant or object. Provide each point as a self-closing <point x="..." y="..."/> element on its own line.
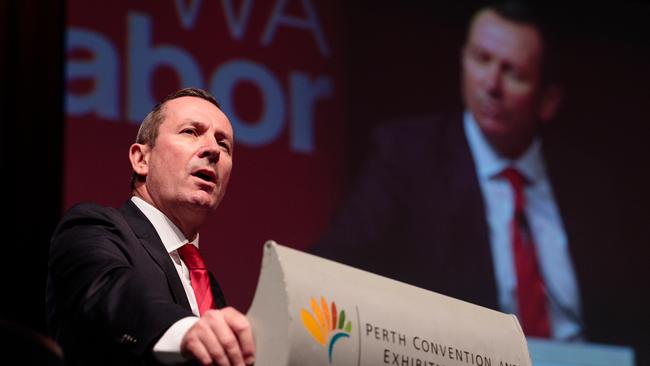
<point x="168" y="347"/>
<point x="545" y="224"/>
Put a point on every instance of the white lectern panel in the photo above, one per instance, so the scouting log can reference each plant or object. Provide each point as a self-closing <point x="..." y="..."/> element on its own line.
<point x="312" y="311"/>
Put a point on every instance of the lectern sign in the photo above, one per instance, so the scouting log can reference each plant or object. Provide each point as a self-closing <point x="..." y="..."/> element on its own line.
<point x="326" y="325"/>
<point x="365" y="319"/>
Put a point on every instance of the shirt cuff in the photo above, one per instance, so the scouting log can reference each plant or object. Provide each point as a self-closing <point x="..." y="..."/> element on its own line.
<point x="168" y="348"/>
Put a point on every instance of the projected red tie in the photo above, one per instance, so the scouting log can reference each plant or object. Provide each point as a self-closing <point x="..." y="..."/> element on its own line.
<point x="198" y="276"/>
<point x="531" y="294"/>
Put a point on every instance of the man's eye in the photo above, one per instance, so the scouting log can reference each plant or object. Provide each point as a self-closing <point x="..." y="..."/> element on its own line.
<point x="481" y="57"/>
<point x="189" y="131"/>
<point x="225" y="145"/>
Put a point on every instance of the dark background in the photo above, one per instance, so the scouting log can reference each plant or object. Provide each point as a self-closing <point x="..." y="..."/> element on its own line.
<point x="31" y="80"/>
<point x="402" y="58"/>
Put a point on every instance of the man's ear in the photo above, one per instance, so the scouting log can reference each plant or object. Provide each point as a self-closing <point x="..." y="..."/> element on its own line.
<point x="139" y="157"/>
<point x="551" y="100"/>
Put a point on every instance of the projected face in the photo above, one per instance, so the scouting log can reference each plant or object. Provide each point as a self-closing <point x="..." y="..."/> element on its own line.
<point x="188" y="168"/>
<point x="502" y="84"/>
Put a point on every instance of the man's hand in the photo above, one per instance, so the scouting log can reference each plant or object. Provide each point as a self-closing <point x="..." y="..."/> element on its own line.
<point x="221" y="337"/>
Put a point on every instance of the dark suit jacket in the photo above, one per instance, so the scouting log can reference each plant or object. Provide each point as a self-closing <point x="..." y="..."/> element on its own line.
<point x="416" y="214"/>
<point x="112" y="288"/>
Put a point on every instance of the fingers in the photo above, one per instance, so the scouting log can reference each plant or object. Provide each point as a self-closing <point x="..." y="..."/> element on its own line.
<point x="201" y="343"/>
<point x="226" y="338"/>
<point x="239" y="324"/>
<point x="221" y="337"/>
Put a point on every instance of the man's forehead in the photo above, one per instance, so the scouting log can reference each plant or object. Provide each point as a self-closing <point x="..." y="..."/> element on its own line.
<point x="189" y="109"/>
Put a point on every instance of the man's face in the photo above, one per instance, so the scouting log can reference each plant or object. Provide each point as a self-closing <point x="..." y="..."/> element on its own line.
<point x="190" y="163"/>
<point x="502" y="84"/>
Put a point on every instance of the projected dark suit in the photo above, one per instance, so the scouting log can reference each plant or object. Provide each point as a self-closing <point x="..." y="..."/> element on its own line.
<point x="417" y="214"/>
<point x="113" y="289"/>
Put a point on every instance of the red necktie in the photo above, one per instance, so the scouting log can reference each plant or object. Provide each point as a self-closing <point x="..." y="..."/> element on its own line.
<point x="531" y="293"/>
<point x="198" y="276"/>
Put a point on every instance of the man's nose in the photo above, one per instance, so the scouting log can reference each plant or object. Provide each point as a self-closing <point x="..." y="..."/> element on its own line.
<point x="210" y="150"/>
<point x="492" y="80"/>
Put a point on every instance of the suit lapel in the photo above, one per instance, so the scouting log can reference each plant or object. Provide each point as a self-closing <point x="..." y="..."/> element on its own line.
<point x="217" y="294"/>
<point x="469" y="231"/>
<point x="153" y="245"/>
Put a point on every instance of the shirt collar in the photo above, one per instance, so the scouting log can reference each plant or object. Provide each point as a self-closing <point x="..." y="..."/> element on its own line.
<point x="170" y="235"/>
<point x="489" y="163"/>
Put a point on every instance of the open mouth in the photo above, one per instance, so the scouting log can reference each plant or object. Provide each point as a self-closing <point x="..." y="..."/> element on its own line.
<point x="206" y="175"/>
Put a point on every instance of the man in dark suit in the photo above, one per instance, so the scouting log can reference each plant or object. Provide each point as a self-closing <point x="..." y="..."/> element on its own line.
<point x="433" y="208"/>
<point x="127" y="286"/>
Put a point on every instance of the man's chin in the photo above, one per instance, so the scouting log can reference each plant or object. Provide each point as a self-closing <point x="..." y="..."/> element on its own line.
<point x="492" y="125"/>
<point x="203" y="201"/>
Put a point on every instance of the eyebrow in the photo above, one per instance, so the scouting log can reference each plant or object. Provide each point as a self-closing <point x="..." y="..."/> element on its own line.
<point x="192" y="122"/>
<point x="219" y="134"/>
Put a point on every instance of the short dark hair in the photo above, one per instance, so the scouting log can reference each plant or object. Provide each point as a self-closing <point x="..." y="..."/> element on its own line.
<point x="539" y="17"/>
<point x="520" y="11"/>
<point x="148" y="131"/>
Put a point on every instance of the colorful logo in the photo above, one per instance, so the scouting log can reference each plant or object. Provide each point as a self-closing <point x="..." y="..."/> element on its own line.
<point x="324" y="325"/>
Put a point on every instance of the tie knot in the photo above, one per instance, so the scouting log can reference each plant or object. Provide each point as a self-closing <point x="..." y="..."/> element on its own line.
<point x="514" y="177"/>
<point x="517" y="181"/>
<point x="191" y="256"/>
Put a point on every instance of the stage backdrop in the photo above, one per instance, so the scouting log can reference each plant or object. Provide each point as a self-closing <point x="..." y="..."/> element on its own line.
<point x="274" y="66"/>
